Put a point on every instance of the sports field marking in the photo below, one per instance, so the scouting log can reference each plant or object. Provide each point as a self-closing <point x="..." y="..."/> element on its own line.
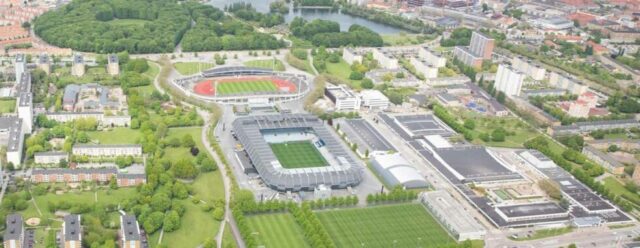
<point x="227" y="88"/>
<point x="276" y="230"/>
<point x="404" y="225"/>
<point x="298" y="154"/>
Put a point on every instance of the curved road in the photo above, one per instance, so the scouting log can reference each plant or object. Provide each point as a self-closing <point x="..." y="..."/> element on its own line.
<point x="223" y="171"/>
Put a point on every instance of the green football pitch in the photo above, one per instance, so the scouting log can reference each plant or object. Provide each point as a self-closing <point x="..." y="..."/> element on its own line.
<point x="404" y="225"/>
<point x="276" y="230"/>
<point x="240" y="87"/>
<point x="298" y="154"/>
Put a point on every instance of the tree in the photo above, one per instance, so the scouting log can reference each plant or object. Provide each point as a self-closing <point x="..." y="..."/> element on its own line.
<point x="184" y="168"/>
<point x="498" y="135"/>
<point x="187" y="141"/>
<point x="207" y="165"/>
<point x="356" y="75"/>
<point x="218" y="214"/>
<point x="367" y="83"/>
<point x="613" y="148"/>
<point x="171" y="221"/>
<point x="160" y="202"/>
<point x="469" y="124"/>
<point x="113" y="182"/>
<point x="153" y="222"/>
<point x="485" y="8"/>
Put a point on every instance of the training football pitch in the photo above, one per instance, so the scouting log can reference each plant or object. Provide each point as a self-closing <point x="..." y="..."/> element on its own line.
<point x="405" y="225"/>
<point x="241" y="87"/>
<point x="298" y="154"/>
<point x="276" y="230"/>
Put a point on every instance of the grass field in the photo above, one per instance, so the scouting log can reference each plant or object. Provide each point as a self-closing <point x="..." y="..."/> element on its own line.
<point x="266" y="63"/>
<point x="189" y="68"/>
<point x="92" y="75"/>
<point x="118" y="135"/>
<point x="276" y="230"/>
<point x="7" y="106"/>
<point x="246" y="87"/>
<point x="405" y="225"/>
<point x="485" y="124"/>
<point x="343" y="71"/>
<point x="146" y="90"/>
<point x="298" y="154"/>
<point x="618" y="188"/>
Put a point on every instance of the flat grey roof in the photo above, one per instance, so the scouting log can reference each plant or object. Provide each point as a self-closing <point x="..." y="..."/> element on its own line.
<point x="475" y="163"/>
<point x="535" y="209"/>
<point x="365" y="135"/>
<point x="72" y="228"/>
<point x="14" y="226"/>
<point x="130" y="228"/>
<point x="108" y="146"/>
<point x="423" y="124"/>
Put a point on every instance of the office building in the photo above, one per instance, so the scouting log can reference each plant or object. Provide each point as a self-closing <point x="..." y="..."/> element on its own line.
<point x="343" y="98"/>
<point x="374" y="99"/>
<point x="351" y="55"/>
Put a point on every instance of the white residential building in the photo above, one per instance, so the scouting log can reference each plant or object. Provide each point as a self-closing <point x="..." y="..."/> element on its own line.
<point x="12" y="136"/>
<point x="509" y="80"/>
<point x="423" y="66"/>
<point x="351" y="55"/>
<point x="433" y="57"/>
<point x="374" y="99"/>
<point x="113" y="66"/>
<point x="50" y="157"/>
<point x="535" y="71"/>
<point x="20" y="66"/>
<point x="25" y="110"/>
<point x="107" y="150"/>
<point x="385" y="59"/>
<point x="567" y="83"/>
<point x="343" y="98"/>
<point x="78" y="67"/>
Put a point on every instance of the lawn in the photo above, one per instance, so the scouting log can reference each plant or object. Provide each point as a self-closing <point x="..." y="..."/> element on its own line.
<point x="118" y="135"/>
<point x="189" y="68"/>
<point x="403" y="225"/>
<point x="343" y="71"/>
<point x="520" y="131"/>
<point x="92" y="75"/>
<point x="276" y="230"/>
<point x="7" y="106"/>
<point x="274" y="64"/>
<point x="618" y="189"/>
<point x="298" y="154"/>
<point x="103" y="196"/>
<point x="400" y="39"/>
<point x="246" y="87"/>
<point x="153" y="71"/>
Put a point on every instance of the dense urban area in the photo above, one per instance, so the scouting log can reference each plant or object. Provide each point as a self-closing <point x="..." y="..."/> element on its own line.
<point x="319" y="123"/>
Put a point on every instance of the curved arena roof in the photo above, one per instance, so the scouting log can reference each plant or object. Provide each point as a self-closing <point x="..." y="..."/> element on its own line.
<point x="344" y="173"/>
<point x="396" y="170"/>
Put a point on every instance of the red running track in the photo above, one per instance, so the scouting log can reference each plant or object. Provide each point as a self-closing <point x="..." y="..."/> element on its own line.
<point x="205" y="87"/>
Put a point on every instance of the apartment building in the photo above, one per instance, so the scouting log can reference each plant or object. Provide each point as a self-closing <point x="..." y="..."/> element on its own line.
<point x="107" y="150"/>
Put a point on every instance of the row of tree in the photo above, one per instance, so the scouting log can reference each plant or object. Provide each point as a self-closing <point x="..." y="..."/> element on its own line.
<point x="396" y="195"/>
<point x="451" y="121"/>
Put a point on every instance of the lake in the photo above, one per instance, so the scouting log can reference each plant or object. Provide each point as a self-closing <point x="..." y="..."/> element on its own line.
<point x="344" y="20"/>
